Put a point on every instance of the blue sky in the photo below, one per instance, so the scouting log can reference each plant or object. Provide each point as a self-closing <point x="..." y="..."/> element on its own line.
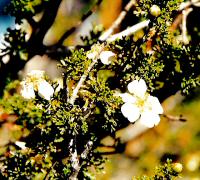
<point x="3" y="3"/>
<point x="5" y="21"/>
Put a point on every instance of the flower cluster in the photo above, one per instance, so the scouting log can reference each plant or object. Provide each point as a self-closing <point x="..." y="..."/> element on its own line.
<point x="139" y="105"/>
<point x="35" y="81"/>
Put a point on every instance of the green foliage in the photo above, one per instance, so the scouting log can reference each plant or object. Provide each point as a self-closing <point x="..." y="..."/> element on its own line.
<point x="23" y="8"/>
<point x="93" y="36"/>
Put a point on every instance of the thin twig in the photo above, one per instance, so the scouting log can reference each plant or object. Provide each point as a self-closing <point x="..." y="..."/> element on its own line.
<point x="88" y="147"/>
<point x="74" y="159"/>
<point x="117" y="22"/>
<point x="81" y="81"/>
<point x="174" y="118"/>
<point x="129" y="31"/>
<point x="84" y="155"/>
<point x="48" y="173"/>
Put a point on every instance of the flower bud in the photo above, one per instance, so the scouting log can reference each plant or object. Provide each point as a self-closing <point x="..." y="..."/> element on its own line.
<point x="107" y="57"/>
<point x="155" y="11"/>
<point x="178" y="167"/>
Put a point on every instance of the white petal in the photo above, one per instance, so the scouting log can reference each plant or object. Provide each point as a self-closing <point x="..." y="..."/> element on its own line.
<point x="138" y="88"/>
<point x="92" y="55"/>
<point x="27" y="90"/>
<point x="154" y="104"/>
<point x="126" y="97"/>
<point x="149" y="119"/>
<point x="130" y="111"/>
<point x="45" y="90"/>
<point x="107" y="57"/>
<point x="21" y="144"/>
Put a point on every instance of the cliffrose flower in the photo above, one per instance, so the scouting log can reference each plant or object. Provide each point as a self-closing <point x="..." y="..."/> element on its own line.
<point x="107" y="57"/>
<point x="35" y="82"/>
<point x="139" y="105"/>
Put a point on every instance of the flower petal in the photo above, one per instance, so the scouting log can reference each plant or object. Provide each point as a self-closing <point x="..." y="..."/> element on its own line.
<point x="92" y="55"/>
<point x="27" y="90"/>
<point x="107" y="57"/>
<point x="149" y="119"/>
<point x="45" y="90"/>
<point x="126" y="97"/>
<point x="130" y="111"/>
<point x="138" y="88"/>
<point x="154" y="104"/>
<point x="21" y="144"/>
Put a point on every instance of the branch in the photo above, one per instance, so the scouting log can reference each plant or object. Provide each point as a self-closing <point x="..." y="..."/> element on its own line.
<point x="47" y="176"/>
<point x="74" y="159"/>
<point x="129" y="31"/>
<point x="174" y="118"/>
<point x="117" y="22"/>
<point x="81" y="81"/>
<point x="84" y="155"/>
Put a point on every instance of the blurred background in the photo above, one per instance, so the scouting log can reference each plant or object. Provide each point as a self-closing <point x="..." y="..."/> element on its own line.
<point x="179" y="141"/>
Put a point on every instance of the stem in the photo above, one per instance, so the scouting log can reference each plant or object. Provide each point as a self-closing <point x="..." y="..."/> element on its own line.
<point x="74" y="159"/>
<point x="174" y="118"/>
<point x="84" y="155"/>
<point x="81" y="81"/>
<point x="117" y="22"/>
<point x="48" y="173"/>
<point x="129" y="31"/>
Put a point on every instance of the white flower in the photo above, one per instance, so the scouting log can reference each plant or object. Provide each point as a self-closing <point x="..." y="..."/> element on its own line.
<point x="45" y="90"/>
<point x="35" y="82"/>
<point x="107" y="57"/>
<point x="139" y="105"/>
<point x="27" y="90"/>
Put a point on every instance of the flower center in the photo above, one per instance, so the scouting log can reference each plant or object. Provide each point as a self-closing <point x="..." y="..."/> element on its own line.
<point x="142" y="103"/>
